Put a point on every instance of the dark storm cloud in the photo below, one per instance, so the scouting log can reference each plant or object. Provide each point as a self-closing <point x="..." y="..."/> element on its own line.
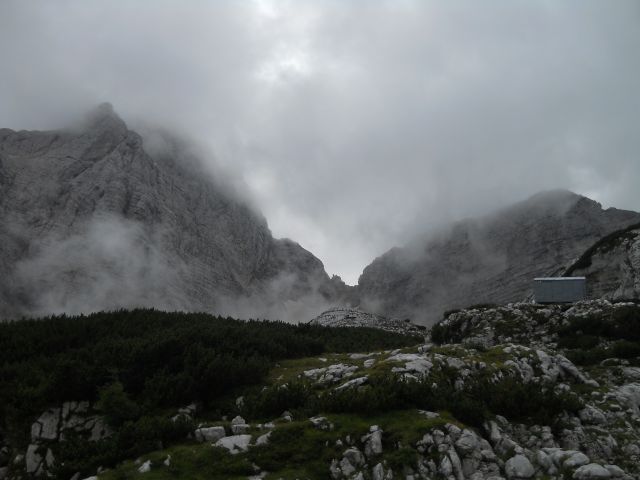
<point x="354" y="124"/>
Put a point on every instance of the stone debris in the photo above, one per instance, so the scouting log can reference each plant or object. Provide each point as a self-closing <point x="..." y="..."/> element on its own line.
<point x="145" y="467"/>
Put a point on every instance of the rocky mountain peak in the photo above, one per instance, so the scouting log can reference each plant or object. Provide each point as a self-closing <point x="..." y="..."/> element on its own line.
<point x="491" y="259"/>
<point x="103" y="119"/>
<point x="95" y="221"/>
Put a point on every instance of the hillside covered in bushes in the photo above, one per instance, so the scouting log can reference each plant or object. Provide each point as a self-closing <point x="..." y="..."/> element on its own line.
<point x="136" y="367"/>
<point x="518" y="391"/>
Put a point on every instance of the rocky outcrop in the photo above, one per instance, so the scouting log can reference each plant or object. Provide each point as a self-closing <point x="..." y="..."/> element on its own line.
<point x="353" y="317"/>
<point x="612" y="266"/>
<point x="487" y="260"/>
<point x="55" y="425"/>
<point x="96" y="217"/>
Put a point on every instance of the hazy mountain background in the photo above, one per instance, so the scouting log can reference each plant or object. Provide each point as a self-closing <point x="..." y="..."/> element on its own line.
<point x="491" y="259"/>
<point x="355" y="125"/>
<point x="96" y="218"/>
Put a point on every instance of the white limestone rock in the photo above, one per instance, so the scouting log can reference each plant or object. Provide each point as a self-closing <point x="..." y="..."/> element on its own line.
<point x="235" y="443"/>
<point x="145" y="467"/>
<point x="592" y="471"/>
<point x="519" y="467"/>
<point x="209" y="434"/>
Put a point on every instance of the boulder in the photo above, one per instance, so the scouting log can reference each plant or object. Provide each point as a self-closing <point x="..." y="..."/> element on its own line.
<point x="239" y="426"/>
<point x="346" y="467"/>
<point x="209" y="434"/>
<point x="467" y="442"/>
<point x="320" y="423"/>
<point x="575" y="460"/>
<point x="518" y="467"/>
<point x="373" y="443"/>
<point x="592" y="416"/>
<point x="356" y="382"/>
<point x="238" y="420"/>
<point x="334" y="469"/>
<point x="615" y="471"/>
<point x="240" y="429"/>
<point x="235" y="443"/>
<point x="456" y="464"/>
<point x="377" y="473"/>
<point x="354" y="456"/>
<point x="592" y="471"/>
<point x="33" y="460"/>
<point x="46" y="427"/>
<point x="445" y="468"/>
<point x="145" y="467"/>
<point x="99" y="429"/>
<point x="263" y="439"/>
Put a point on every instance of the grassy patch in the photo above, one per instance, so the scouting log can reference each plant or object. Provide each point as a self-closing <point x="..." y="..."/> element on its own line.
<point x="194" y="461"/>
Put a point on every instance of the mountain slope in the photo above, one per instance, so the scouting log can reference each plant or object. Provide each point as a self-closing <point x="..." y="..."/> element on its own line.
<point x="490" y="259"/>
<point x="94" y="218"/>
<point x="612" y="266"/>
<point x="521" y="391"/>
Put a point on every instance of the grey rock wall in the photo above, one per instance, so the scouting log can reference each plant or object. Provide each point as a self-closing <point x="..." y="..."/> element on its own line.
<point x="612" y="268"/>
<point x="97" y="218"/>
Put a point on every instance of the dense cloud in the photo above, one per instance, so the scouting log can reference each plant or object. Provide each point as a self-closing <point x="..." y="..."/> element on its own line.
<point x="354" y="124"/>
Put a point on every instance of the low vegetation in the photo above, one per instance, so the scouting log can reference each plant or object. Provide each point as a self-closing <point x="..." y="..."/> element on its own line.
<point x="476" y="402"/>
<point x="139" y="366"/>
<point x="594" y="338"/>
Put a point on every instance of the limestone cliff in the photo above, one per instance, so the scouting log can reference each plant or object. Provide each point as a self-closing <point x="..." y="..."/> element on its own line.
<point x="612" y="266"/>
<point x="95" y="217"/>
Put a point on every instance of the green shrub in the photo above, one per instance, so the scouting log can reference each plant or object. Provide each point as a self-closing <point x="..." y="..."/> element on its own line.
<point x="272" y="401"/>
<point x="140" y="364"/>
<point x="298" y="448"/>
<point x="583" y="335"/>
<point x="400" y="458"/>
<point x="116" y="405"/>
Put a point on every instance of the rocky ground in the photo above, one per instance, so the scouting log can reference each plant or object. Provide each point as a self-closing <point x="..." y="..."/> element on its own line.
<point x="353" y="317"/>
<point x="589" y="427"/>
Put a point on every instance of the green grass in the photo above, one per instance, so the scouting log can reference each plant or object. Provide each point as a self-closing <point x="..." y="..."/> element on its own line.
<point x="191" y="461"/>
<point x="296" y="450"/>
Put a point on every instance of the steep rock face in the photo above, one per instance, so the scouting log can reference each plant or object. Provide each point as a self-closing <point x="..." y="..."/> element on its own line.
<point x="491" y="259"/>
<point x="94" y="218"/>
<point x="612" y="266"/>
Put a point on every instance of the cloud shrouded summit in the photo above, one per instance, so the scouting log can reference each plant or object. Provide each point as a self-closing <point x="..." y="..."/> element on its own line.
<point x="353" y="124"/>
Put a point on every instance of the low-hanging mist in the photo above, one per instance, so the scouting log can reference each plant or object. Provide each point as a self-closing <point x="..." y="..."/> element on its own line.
<point x="96" y="217"/>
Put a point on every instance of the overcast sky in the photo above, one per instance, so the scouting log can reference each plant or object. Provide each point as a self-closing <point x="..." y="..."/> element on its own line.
<point x="356" y="123"/>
